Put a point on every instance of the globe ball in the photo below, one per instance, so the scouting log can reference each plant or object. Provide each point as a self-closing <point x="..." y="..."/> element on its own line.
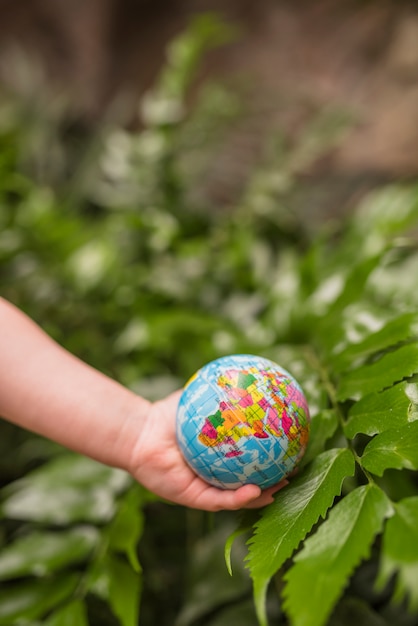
<point x="242" y="419"/>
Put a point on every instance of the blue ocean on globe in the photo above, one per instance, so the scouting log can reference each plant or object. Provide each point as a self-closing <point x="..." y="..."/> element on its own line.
<point x="242" y="419"/>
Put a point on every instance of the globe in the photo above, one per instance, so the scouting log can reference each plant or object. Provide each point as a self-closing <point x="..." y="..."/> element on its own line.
<point x="242" y="419"/>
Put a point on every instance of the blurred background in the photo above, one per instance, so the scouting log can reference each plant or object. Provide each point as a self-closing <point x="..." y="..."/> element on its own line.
<point x="357" y="56"/>
<point x="168" y="171"/>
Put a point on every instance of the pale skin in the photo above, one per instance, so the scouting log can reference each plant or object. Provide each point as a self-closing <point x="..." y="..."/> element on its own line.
<point x="45" y="389"/>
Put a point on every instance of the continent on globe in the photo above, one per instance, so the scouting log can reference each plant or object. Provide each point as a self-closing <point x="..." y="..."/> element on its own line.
<point x="242" y="419"/>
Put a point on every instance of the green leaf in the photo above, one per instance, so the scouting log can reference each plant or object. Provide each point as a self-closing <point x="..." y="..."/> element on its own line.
<point x="72" y="614"/>
<point x="68" y="489"/>
<point x="396" y="448"/>
<point x="126" y="529"/>
<point x="351" y="282"/>
<point x="247" y="521"/>
<point x="387" y="211"/>
<point x="400" y="552"/>
<point x="379" y="411"/>
<point x="124" y="591"/>
<point x="323" y="426"/>
<point x="116" y="582"/>
<point x="354" y="281"/>
<point x="30" y="600"/>
<point x="328" y="558"/>
<point x="209" y="588"/>
<point x="42" y="553"/>
<point x="390" y="368"/>
<point x="402" y="328"/>
<point x="286" y="522"/>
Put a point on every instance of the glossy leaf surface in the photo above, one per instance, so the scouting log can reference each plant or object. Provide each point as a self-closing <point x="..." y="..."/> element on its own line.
<point x="395" y="448"/>
<point x="389" y="369"/>
<point x="379" y="411"/>
<point x="286" y="522"/>
<point x="329" y="557"/>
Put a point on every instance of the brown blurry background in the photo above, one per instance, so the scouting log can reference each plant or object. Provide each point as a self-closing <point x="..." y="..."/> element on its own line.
<point x="299" y="56"/>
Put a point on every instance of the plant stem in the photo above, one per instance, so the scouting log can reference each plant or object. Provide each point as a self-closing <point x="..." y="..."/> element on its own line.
<point x="329" y="386"/>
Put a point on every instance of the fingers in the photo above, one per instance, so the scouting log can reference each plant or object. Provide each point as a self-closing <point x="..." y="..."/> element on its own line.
<point x="215" y="499"/>
<point x="246" y="497"/>
<point x="266" y="496"/>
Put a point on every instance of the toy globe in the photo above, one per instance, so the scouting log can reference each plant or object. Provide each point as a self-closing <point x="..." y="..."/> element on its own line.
<point x="242" y="419"/>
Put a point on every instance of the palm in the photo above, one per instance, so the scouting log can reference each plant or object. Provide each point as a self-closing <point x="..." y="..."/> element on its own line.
<point x="160" y="467"/>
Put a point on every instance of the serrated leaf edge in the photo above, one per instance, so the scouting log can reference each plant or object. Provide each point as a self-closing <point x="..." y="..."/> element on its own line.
<point x="260" y="588"/>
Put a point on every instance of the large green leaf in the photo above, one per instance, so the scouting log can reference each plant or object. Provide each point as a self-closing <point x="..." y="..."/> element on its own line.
<point x="395" y="448"/>
<point x="400" y="551"/>
<point x="389" y="369"/>
<point x="324" y="565"/>
<point x="27" y="601"/>
<point x="72" y="614"/>
<point x="379" y="411"/>
<point x="402" y="328"/>
<point x="42" y="553"/>
<point x="68" y="489"/>
<point x="286" y="522"/>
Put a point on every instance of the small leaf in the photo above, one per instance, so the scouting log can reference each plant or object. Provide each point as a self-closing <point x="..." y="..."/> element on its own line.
<point x="378" y="411"/>
<point x="395" y="448"/>
<point x="328" y="558"/>
<point x="209" y="588"/>
<point x="42" y="553"/>
<point x="247" y="521"/>
<point x="391" y="368"/>
<point x="28" y="601"/>
<point x="72" y="614"/>
<point x="286" y="522"/>
<point x="126" y="529"/>
<point x="401" y="328"/>
<point x="400" y="551"/>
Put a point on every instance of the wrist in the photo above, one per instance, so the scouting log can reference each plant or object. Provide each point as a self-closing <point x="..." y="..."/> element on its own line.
<point x="130" y="430"/>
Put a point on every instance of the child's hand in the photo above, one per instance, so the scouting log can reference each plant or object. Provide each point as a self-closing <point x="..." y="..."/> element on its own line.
<point x="157" y="464"/>
<point x="47" y="390"/>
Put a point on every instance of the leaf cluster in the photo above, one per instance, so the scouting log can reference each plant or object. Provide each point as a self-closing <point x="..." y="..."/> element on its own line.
<point x="125" y="261"/>
<point x="362" y="353"/>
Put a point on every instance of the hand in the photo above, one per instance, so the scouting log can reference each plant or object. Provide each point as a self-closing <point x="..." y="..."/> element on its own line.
<point x="158" y="464"/>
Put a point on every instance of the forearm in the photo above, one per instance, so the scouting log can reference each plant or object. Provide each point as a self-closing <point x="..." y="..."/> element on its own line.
<point x="47" y="390"/>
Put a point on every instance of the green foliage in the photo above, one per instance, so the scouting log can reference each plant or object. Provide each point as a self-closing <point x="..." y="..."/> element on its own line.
<point x="332" y="553"/>
<point x="365" y="357"/>
<point x="399" y="551"/>
<point x="129" y="265"/>
<point x="293" y="514"/>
